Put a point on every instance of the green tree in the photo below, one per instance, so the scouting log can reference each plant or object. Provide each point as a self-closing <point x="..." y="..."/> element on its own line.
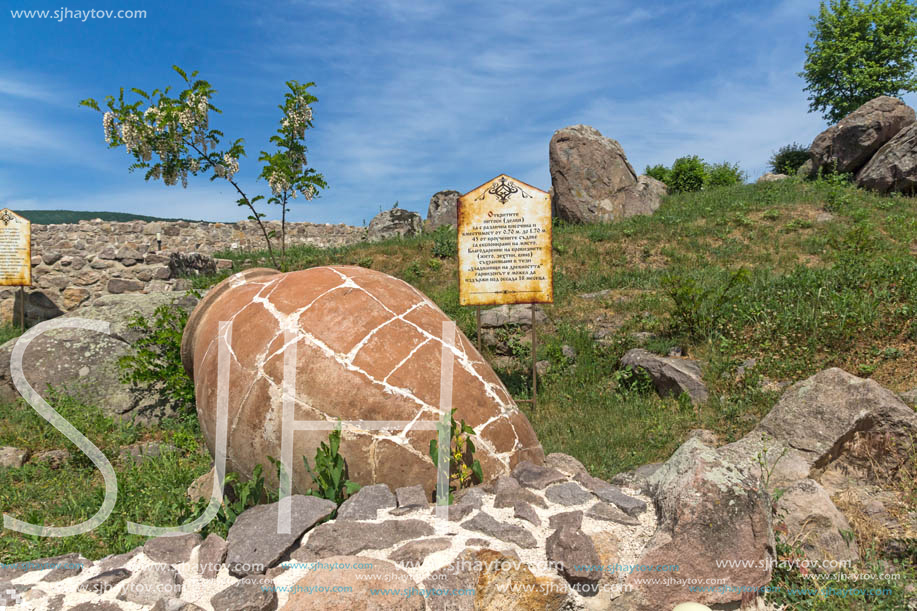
<point x="859" y="51"/>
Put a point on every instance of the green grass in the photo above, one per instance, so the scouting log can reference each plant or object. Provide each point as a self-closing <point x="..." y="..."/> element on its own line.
<point x="151" y="492"/>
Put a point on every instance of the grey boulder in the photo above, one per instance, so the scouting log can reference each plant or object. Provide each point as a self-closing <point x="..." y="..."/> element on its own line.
<point x="84" y="363"/>
<point x="670" y="376"/>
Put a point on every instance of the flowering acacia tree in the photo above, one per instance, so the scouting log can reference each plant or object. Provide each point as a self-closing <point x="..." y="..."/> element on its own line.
<point x="177" y="131"/>
<point x="285" y="170"/>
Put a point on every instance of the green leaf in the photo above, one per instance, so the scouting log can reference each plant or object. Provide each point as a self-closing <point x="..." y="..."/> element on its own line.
<point x="476" y="469"/>
<point x="89" y="102"/>
<point x="351" y="487"/>
<point x="180" y="72"/>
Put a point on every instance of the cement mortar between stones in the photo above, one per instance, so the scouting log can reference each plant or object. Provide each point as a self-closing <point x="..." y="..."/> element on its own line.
<point x="199" y="591"/>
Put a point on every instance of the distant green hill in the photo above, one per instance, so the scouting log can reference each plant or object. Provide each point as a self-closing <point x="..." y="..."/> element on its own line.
<point x="49" y="217"/>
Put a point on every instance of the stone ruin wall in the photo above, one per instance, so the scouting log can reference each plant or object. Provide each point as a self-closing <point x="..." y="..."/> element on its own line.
<point x="73" y="264"/>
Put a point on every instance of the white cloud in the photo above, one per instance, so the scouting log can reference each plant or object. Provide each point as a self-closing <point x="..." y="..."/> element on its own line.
<point x="20" y="88"/>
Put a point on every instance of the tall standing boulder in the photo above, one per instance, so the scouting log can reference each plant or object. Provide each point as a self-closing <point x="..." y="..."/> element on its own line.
<point x="367" y="347"/>
<point x="894" y="167"/>
<point x="592" y="180"/>
<point x="848" y="145"/>
<point x="443" y="209"/>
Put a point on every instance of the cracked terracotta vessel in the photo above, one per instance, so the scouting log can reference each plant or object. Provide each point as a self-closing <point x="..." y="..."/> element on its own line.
<point x="368" y="347"/>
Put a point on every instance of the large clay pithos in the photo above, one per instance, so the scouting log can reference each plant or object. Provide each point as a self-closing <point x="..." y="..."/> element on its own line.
<point x="368" y="347"/>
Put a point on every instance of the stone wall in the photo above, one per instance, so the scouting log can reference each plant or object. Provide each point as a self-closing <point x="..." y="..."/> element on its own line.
<point x="73" y="264"/>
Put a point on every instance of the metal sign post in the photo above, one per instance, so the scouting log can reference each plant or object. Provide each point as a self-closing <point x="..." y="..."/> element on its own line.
<point x="534" y="358"/>
<point x="504" y="251"/>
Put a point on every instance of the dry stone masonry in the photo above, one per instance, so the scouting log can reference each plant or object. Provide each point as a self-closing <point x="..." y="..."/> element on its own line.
<point x="74" y="264"/>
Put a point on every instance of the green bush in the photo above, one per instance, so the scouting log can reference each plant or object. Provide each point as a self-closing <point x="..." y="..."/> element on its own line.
<point x="156" y="360"/>
<point x="445" y="242"/>
<point x="687" y="174"/>
<point x="700" y="303"/>
<point x="724" y="175"/>
<point x="658" y="171"/>
<point x="691" y="173"/>
<point x="788" y="159"/>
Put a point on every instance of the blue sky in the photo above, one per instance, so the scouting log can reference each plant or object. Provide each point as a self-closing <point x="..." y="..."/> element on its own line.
<point x="414" y="96"/>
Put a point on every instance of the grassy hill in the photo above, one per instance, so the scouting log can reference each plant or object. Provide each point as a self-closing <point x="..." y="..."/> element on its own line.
<point x="50" y="217"/>
<point x="799" y="276"/>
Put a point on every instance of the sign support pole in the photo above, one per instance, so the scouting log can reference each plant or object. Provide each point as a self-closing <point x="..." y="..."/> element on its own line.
<point x="22" y="307"/>
<point x="534" y="370"/>
<point x="478" y="318"/>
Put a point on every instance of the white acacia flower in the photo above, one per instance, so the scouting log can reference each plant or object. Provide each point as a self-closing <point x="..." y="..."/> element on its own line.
<point x="186" y="118"/>
<point x="195" y="165"/>
<point x="108" y="125"/>
<point x="232" y="165"/>
<point x="131" y="136"/>
<point x="308" y="192"/>
<point x="278" y="184"/>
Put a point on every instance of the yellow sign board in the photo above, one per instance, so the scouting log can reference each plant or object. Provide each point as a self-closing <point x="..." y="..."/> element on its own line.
<point x="504" y="244"/>
<point x="15" y="249"/>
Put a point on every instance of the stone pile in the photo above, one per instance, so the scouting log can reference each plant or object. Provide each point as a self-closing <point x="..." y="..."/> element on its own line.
<point x="877" y="143"/>
<point x="708" y="509"/>
<point x="555" y="529"/>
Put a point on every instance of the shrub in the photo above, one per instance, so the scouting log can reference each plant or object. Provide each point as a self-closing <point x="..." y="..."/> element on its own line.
<point x="724" y="175"/>
<point x="687" y="174"/>
<point x="788" y="159"/>
<point x="658" y="171"/>
<point x="445" y="242"/>
<point x="156" y="360"/>
<point x="700" y="305"/>
<point x="690" y="173"/>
